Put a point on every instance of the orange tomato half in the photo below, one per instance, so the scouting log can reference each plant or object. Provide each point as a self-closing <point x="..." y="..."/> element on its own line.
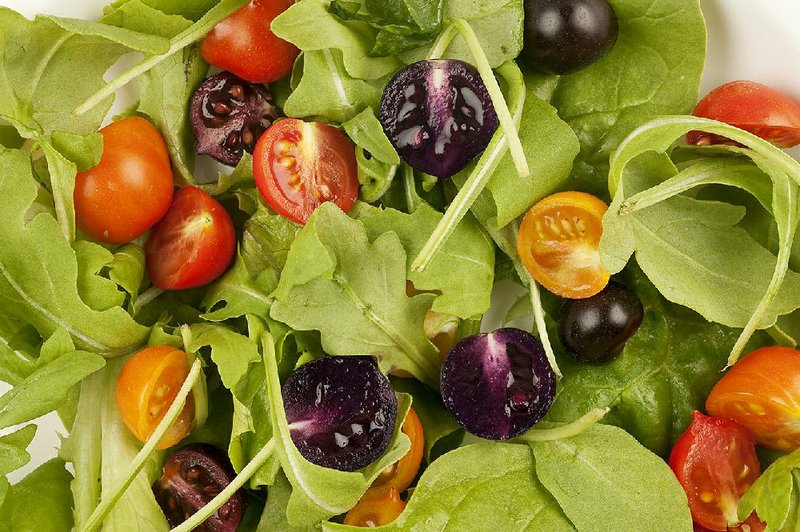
<point x="376" y="512"/>
<point x="558" y="244"/>
<point x="402" y="473"/>
<point x="147" y="386"/>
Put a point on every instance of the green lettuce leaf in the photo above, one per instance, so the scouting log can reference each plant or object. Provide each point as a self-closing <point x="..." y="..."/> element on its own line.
<point x="40" y="502"/>
<point x="775" y="496"/>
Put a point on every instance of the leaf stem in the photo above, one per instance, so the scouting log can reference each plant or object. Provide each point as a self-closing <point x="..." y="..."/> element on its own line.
<point x="480" y="175"/>
<point x="496" y="95"/>
<point x="541" y="326"/>
<point x="412" y="198"/>
<point x="443" y="42"/>
<point x="566" y="431"/>
<point x="216" y="503"/>
<point x="142" y="456"/>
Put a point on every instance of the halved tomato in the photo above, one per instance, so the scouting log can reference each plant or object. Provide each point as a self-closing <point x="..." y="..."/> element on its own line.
<point x="376" y="512"/>
<point x="146" y="387"/>
<point x="762" y="392"/>
<point x="193" y="244"/>
<point x="558" y="243"/>
<point x="300" y="165"/>
<point x="402" y="473"/>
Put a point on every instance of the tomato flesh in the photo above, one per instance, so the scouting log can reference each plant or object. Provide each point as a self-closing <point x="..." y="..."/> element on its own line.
<point x="130" y="189"/>
<point x="402" y="473"/>
<point x="243" y="43"/>
<point x="375" y="512"/>
<point x="300" y="165"/>
<point x="193" y="244"/>
<point x="558" y="244"/>
<point x="715" y="462"/>
<point x="759" y="109"/>
<point x="147" y="386"/>
<point x="762" y="392"/>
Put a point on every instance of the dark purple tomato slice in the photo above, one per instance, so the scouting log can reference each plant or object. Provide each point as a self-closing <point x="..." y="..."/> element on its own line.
<point x="438" y="115"/>
<point x="341" y="412"/>
<point x="193" y="475"/>
<point x="498" y="385"/>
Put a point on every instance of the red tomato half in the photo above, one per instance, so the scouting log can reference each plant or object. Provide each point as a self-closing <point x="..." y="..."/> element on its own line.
<point x="300" y="165"/>
<point x="762" y="392"/>
<point x="130" y="189"/>
<point x="715" y="462"/>
<point x="751" y="106"/>
<point x="193" y="244"/>
<point x="244" y="44"/>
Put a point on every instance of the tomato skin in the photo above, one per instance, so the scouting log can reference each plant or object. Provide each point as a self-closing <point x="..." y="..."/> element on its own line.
<point x="300" y="165"/>
<point x="715" y="462"/>
<point x="762" y="392"/>
<point x="402" y="473"/>
<point x="558" y="244"/>
<point x="243" y="43"/>
<point x="759" y="109"/>
<point x="374" y="512"/>
<point x="146" y="387"/>
<point x="130" y="189"/>
<point x="193" y="244"/>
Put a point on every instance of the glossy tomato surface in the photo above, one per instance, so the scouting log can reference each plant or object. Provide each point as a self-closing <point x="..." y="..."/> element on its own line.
<point x="762" y="392"/>
<point x="402" y="473"/>
<point x="375" y="512"/>
<point x="300" y="165"/>
<point x="193" y="244"/>
<point x="130" y="189"/>
<point x="146" y="387"/>
<point x="759" y="109"/>
<point x="715" y="462"/>
<point x="558" y="244"/>
<point x="244" y="44"/>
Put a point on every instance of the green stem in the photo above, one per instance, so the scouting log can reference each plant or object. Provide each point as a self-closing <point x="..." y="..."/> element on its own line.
<point x="480" y="175"/>
<point x="412" y="198"/>
<point x="781" y="337"/>
<point x="541" y="326"/>
<point x="135" y="467"/>
<point x="496" y="95"/>
<point x="216" y="503"/>
<point x="144" y="298"/>
<point x="566" y="431"/>
<point x="443" y="42"/>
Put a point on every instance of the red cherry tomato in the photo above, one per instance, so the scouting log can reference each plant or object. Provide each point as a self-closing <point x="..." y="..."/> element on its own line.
<point x="193" y="244"/>
<point x="715" y="462"/>
<point x="751" y="106"/>
<point x="244" y="44"/>
<point x="762" y="392"/>
<point x="146" y="387"/>
<point x="130" y="189"/>
<point x="375" y="512"/>
<point x="300" y="165"/>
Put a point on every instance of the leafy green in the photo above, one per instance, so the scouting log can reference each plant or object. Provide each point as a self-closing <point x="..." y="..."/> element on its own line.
<point x="319" y="492"/>
<point x="462" y="272"/>
<point x="654" y="69"/>
<point x="127" y="268"/>
<point x="13" y="454"/>
<point x="376" y="157"/>
<point x="40" y="502"/>
<point x="193" y="10"/>
<point x="274" y="516"/>
<point x="98" y="292"/>
<point x="354" y="293"/>
<point x="39" y="272"/>
<point x="775" y="496"/>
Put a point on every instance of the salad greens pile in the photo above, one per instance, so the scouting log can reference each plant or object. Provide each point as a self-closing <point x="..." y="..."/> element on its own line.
<point x="712" y="231"/>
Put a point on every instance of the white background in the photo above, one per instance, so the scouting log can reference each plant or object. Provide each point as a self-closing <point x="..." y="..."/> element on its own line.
<point x="748" y="39"/>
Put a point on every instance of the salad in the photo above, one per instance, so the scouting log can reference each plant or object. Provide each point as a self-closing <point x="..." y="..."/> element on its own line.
<point x="296" y="344"/>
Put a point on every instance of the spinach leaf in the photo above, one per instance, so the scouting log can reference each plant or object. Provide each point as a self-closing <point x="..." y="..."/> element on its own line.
<point x="318" y="492"/>
<point x="665" y="372"/>
<point x="648" y="73"/>
<point x="775" y="496"/>
<point x="39" y="272"/>
<point x="40" y="502"/>
<point x="332" y="265"/>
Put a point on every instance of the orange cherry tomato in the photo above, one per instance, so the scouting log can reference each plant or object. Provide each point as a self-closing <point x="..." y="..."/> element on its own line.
<point x="130" y="189"/>
<point x="402" y="473"/>
<point x="558" y="244"/>
<point x="300" y="165"/>
<point x="147" y="386"/>
<point x="376" y="512"/>
<point x="762" y="392"/>
<point x="244" y="44"/>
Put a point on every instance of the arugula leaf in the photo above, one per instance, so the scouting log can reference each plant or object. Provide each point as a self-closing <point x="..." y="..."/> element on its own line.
<point x="462" y="272"/>
<point x="503" y="493"/>
<point x="583" y="473"/>
<point x="140" y="16"/>
<point x="39" y="271"/>
<point x="40" y="502"/>
<point x="366" y="131"/>
<point x="126" y="269"/>
<point x="332" y="265"/>
<point x="649" y="72"/>
<point x="98" y="292"/>
<point x="13" y="453"/>
<point x="656" y="383"/>
<point x="775" y="495"/>
<point x="274" y="516"/>
<point x="141" y="41"/>
<point x="193" y="10"/>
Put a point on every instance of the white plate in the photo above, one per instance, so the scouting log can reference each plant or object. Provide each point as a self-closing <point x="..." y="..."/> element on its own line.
<point x="748" y="39"/>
